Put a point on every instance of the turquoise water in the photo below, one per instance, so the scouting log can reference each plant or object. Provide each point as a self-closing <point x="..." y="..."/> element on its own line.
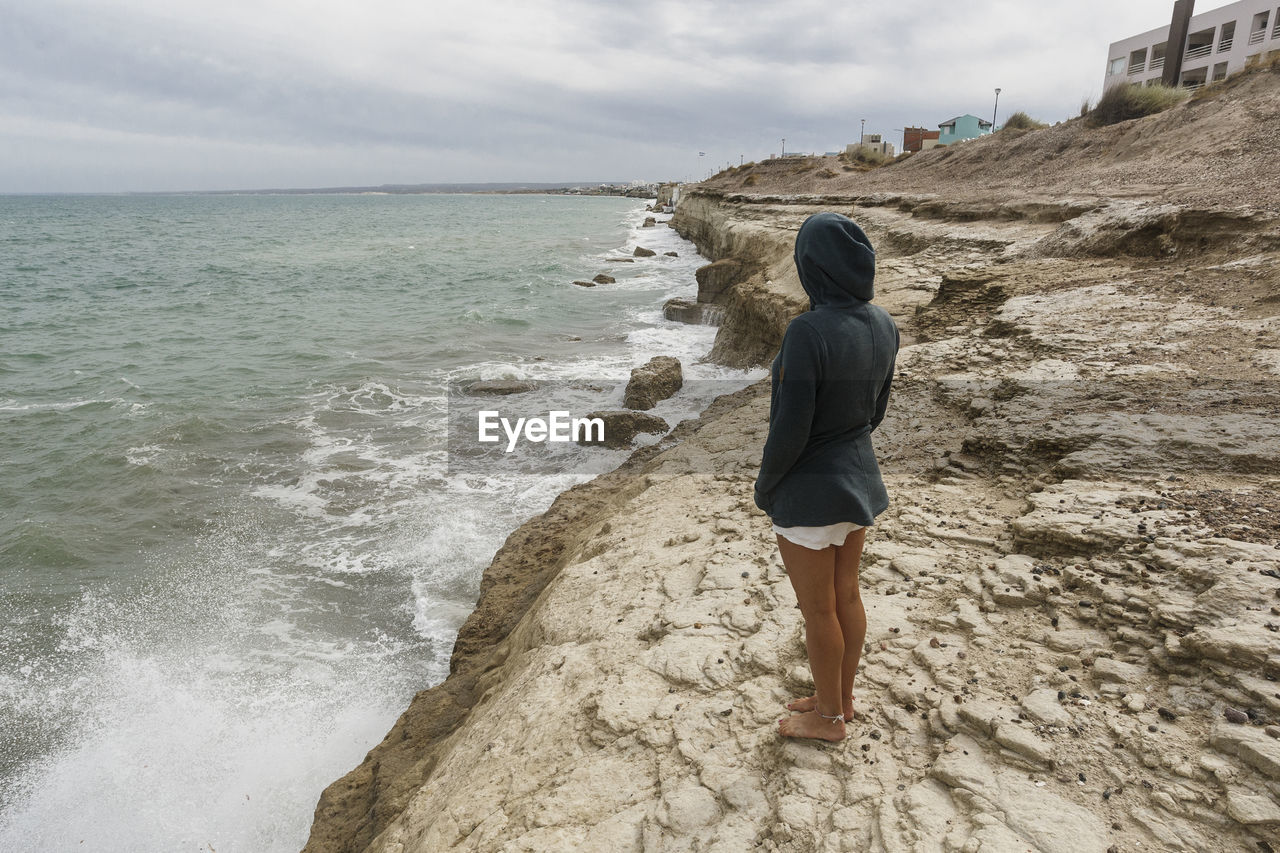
<point x="230" y="545"/>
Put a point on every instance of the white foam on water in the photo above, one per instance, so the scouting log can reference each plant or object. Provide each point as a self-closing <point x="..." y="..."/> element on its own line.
<point x="183" y="722"/>
<point x="232" y="764"/>
<point x="209" y="714"/>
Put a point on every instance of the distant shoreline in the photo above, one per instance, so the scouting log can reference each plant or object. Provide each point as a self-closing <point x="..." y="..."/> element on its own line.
<point x="602" y="188"/>
<point x="592" y="188"/>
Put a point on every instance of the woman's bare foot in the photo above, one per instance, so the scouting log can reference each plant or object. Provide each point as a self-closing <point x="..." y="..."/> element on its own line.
<point x="810" y="703"/>
<point x="812" y="725"/>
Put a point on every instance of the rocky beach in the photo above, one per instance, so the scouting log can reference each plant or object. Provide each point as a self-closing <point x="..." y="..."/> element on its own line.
<point x="1073" y="600"/>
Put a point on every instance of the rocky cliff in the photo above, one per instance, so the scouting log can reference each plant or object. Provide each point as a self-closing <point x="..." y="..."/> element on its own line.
<point x="1073" y="600"/>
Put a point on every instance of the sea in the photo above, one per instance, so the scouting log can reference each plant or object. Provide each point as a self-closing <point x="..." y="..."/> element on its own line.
<point x="235" y="535"/>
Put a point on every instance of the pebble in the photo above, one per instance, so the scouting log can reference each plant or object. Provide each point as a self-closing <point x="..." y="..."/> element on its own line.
<point x="1274" y="731"/>
<point x="1234" y="715"/>
<point x="1165" y="713"/>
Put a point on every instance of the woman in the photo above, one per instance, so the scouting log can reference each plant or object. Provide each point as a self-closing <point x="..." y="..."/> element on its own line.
<point x="819" y="481"/>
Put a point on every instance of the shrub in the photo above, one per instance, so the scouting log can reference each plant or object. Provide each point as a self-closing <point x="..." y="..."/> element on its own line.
<point x="869" y="157"/>
<point x="827" y="173"/>
<point x="1022" y="121"/>
<point x="751" y="180"/>
<point x="1128" y="101"/>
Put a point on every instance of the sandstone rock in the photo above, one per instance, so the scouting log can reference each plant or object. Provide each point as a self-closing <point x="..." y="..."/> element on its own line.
<point x="688" y="809"/>
<point x="602" y="278"/>
<point x="715" y="280"/>
<point x="1108" y="669"/>
<point x="1252" y="809"/>
<point x="1025" y="743"/>
<point x="649" y="222"/>
<point x="684" y="311"/>
<point x="1043" y="705"/>
<point x="1252" y="747"/>
<point x="501" y="386"/>
<point x="642" y="252"/>
<point x="653" y="382"/>
<point x="621" y="427"/>
<point x="585" y="283"/>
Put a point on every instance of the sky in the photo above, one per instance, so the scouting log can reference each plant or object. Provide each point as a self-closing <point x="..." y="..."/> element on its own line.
<point x="173" y="95"/>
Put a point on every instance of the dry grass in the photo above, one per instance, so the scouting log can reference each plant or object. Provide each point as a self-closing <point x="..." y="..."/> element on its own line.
<point x="867" y="157"/>
<point x="1130" y="101"/>
<point x="1022" y="121"/>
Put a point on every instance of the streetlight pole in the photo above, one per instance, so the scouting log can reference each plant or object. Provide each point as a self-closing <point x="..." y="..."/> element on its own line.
<point x="862" y="134"/>
<point x="784" y="146"/>
<point x="993" y="110"/>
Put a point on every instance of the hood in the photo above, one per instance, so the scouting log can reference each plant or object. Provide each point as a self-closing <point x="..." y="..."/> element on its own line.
<point x="836" y="263"/>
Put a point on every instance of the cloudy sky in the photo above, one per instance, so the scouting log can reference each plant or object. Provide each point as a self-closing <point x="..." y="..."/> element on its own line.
<point x="109" y="95"/>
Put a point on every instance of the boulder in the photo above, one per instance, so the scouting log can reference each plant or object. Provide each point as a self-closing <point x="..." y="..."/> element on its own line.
<point x="697" y="313"/>
<point x="715" y="280"/>
<point x="653" y="382"/>
<point x="642" y="252"/>
<point x="604" y="279"/>
<point x="682" y="310"/>
<point x="649" y="222"/>
<point x="622" y="426"/>
<point x="585" y="283"/>
<point x="672" y="254"/>
<point x="498" y="387"/>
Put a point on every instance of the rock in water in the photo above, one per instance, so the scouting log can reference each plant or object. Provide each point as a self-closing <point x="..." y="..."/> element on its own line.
<point x="622" y="426"/>
<point x="604" y="279"/>
<point x="642" y="252"/>
<point x="683" y="311"/>
<point x="585" y="283"/>
<point x="649" y="222"/>
<point x="503" y="386"/>
<point x="653" y="382"/>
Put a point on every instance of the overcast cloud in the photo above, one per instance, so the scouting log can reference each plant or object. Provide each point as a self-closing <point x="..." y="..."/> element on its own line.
<point x="196" y="94"/>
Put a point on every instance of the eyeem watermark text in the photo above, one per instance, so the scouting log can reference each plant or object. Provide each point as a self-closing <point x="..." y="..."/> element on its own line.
<point x="558" y="426"/>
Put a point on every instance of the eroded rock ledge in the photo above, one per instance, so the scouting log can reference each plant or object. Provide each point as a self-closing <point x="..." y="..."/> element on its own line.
<point x="1074" y="601"/>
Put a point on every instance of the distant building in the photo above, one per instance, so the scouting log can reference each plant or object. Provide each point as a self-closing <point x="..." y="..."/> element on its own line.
<point x="1219" y="42"/>
<point x="918" y="139"/>
<point x="961" y="128"/>
<point x="873" y="143"/>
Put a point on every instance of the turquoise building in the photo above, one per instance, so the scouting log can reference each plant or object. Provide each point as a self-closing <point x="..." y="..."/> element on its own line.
<point x="961" y="128"/>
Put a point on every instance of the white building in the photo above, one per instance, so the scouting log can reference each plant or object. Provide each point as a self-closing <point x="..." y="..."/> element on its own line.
<point x="1218" y="43"/>
<point x="871" y="142"/>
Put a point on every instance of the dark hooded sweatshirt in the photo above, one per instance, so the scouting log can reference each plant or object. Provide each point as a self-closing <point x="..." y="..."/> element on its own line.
<point x="831" y="382"/>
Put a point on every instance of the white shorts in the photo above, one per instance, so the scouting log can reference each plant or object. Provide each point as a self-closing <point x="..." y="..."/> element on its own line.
<point x="817" y="538"/>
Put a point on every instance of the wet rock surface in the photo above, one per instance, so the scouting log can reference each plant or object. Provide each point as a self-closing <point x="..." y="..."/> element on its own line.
<point x="622" y="426"/>
<point x="653" y="382"/>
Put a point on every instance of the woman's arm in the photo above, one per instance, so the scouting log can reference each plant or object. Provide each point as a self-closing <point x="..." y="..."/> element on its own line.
<point x="882" y="399"/>
<point x="799" y="367"/>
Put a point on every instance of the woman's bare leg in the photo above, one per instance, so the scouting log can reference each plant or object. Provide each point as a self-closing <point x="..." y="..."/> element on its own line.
<point x="812" y="575"/>
<point x="852" y="618"/>
<point x="849" y="610"/>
